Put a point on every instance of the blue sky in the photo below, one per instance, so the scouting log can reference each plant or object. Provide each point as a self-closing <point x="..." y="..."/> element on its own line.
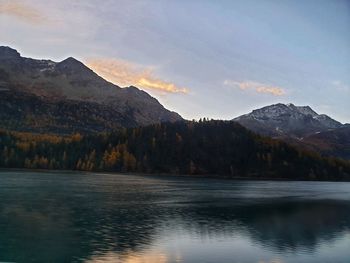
<point x="215" y="59"/>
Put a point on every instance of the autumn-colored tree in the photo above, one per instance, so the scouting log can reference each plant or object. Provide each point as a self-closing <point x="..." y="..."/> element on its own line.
<point x="208" y="147"/>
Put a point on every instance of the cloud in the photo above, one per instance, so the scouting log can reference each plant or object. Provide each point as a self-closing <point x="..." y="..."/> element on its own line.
<point x="340" y="86"/>
<point x="124" y="73"/>
<point x="21" y="11"/>
<point x="256" y="86"/>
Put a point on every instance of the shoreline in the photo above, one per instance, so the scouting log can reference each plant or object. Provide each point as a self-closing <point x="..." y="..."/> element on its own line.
<point x="204" y="176"/>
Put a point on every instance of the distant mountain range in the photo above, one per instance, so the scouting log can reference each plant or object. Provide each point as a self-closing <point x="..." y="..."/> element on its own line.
<point x="302" y="126"/>
<point x="67" y="97"/>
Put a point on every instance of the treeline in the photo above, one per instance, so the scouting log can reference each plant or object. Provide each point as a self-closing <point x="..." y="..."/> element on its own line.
<point x="217" y="148"/>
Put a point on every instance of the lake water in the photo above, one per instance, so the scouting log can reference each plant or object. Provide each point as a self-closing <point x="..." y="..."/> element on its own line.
<point x="77" y="217"/>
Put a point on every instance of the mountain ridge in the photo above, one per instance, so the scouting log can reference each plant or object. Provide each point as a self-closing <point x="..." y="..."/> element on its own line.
<point x="71" y="81"/>
<point x="300" y="126"/>
<point x="278" y="120"/>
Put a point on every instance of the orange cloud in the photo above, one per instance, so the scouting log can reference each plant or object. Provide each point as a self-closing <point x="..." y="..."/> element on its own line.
<point x="125" y="74"/>
<point x="22" y="11"/>
<point x="256" y="86"/>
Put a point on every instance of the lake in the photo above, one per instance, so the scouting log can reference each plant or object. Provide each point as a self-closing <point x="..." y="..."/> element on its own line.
<point x="87" y="217"/>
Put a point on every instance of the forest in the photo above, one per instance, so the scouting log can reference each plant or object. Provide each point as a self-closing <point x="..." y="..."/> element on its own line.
<point x="206" y="147"/>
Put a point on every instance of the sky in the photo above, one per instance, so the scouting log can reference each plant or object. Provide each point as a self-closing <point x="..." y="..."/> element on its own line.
<point x="200" y="58"/>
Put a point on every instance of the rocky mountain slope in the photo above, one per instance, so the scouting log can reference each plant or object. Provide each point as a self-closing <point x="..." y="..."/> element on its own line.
<point x="67" y="96"/>
<point x="287" y="120"/>
<point x="301" y="126"/>
<point x="334" y="142"/>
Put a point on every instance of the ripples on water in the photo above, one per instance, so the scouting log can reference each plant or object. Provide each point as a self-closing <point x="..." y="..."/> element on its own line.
<point x="75" y="217"/>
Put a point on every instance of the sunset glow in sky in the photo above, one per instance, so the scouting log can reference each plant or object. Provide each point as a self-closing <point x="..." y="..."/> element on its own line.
<point x="200" y="58"/>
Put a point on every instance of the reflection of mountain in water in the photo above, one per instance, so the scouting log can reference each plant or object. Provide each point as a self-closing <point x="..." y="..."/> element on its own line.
<point x="85" y="221"/>
<point x="298" y="226"/>
<point x="69" y="229"/>
<point x="281" y="226"/>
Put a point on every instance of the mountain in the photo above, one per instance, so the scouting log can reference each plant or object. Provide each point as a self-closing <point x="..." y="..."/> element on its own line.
<point x="67" y="97"/>
<point x="287" y="120"/>
<point x="334" y="142"/>
<point x="301" y="126"/>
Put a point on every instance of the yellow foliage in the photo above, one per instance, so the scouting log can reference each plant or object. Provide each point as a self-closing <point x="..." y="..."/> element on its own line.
<point x="24" y="146"/>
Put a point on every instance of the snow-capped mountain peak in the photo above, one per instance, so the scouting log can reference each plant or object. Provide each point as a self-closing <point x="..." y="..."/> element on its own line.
<point x="287" y="119"/>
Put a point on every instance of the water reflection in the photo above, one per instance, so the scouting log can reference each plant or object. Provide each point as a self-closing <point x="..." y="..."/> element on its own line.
<point x="116" y="219"/>
<point x="300" y="226"/>
<point x="131" y="257"/>
<point x="280" y="226"/>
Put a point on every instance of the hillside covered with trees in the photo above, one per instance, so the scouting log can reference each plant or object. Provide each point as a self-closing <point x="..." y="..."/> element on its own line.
<point x="215" y="148"/>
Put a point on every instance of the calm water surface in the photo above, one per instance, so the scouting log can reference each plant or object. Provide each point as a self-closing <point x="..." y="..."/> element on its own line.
<point x="77" y="217"/>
